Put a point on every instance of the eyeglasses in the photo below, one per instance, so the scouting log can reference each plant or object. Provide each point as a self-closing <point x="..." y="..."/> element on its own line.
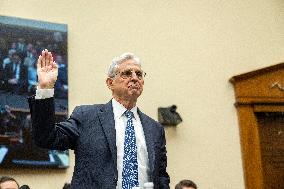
<point x="129" y="73"/>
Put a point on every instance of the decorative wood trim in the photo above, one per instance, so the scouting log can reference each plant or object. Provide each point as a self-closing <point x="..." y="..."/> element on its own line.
<point x="250" y="147"/>
<point x="268" y="108"/>
<point x="258" y="72"/>
<point x="257" y="91"/>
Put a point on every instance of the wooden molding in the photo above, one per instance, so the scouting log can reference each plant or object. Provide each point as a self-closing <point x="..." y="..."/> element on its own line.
<point x="257" y="91"/>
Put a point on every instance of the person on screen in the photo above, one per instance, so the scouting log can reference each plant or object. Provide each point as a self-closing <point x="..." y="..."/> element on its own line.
<point x="115" y="144"/>
<point x="61" y="85"/>
<point x="8" y="183"/>
<point x="16" y="76"/>
<point x="8" y="121"/>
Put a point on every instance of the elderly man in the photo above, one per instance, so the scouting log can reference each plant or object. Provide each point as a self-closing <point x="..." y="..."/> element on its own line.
<point x="8" y="183"/>
<point x="115" y="144"/>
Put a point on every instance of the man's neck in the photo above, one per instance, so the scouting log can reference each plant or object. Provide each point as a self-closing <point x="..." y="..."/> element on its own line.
<point x="128" y="104"/>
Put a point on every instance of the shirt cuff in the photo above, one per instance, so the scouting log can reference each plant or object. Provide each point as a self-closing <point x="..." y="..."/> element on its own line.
<point x="44" y="93"/>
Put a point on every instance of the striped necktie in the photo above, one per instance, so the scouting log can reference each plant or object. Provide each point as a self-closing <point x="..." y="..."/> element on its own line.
<point x="130" y="163"/>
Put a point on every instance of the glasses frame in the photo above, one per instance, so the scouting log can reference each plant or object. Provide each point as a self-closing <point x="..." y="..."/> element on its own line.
<point x="125" y="75"/>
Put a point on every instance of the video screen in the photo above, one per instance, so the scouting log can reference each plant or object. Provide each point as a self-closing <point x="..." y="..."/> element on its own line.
<point x="21" y="43"/>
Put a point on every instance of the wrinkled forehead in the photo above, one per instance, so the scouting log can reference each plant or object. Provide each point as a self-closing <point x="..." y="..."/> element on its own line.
<point x="129" y="64"/>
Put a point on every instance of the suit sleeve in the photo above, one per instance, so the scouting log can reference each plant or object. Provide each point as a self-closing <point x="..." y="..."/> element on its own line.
<point x="47" y="134"/>
<point x="164" y="178"/>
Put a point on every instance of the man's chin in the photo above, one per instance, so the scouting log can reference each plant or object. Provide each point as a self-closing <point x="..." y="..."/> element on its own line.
<point x="135" y="93"/>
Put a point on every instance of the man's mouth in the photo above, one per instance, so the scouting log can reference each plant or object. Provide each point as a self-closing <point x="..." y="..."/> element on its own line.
<point x="133" y="87"/>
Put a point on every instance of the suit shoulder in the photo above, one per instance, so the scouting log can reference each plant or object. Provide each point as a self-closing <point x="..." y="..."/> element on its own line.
<point x="85" y="112"/>
<point x="88" y="108"/>
<point x="153" y="121"/>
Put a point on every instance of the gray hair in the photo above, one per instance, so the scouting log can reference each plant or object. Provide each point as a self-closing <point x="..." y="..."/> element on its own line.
<point x="120" y="59"/>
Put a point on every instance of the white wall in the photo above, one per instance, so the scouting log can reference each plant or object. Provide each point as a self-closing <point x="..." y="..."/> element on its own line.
<point x="189" y="49"/>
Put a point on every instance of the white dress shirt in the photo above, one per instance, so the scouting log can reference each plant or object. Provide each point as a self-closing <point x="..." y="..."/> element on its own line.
<point x="142" y="154"/>
<point x="16" y="69"/>
<point x="120" y="125"/>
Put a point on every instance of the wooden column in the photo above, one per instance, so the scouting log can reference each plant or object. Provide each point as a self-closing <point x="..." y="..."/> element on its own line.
<point x="250" y="147"/>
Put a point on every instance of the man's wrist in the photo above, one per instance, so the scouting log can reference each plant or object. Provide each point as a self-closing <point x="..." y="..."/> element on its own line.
<point x="45" y="86"/>
<point x="44" y="93"/>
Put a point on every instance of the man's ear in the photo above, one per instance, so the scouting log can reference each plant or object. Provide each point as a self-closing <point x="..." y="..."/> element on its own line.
<point x="109" y="82"/>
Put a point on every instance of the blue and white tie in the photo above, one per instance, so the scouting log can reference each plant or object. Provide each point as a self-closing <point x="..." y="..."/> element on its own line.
<point x="130" y="164"/>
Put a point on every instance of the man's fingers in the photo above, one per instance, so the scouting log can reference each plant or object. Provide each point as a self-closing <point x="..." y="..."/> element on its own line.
<point x="46" y="57"/>
<point x="43" y="57"/>
<point x="45" y="60"/>
<point x="49" y="59"/>
<point x="39" y="61"/>
<point x="54" y="65"/>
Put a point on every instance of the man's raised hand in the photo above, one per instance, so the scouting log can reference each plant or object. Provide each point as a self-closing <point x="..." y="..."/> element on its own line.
<point x="47" y="70"/>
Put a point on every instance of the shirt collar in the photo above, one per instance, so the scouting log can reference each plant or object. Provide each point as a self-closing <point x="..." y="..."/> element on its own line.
<point x="119" y="109"/>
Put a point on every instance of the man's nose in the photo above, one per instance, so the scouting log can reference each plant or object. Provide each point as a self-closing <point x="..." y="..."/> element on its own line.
<point x="134" y="76"/>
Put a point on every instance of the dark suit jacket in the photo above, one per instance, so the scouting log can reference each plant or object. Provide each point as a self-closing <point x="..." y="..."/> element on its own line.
<point x="23" y="77"/>
<point x="90" y="132"/>
<point x="9" y="74"/>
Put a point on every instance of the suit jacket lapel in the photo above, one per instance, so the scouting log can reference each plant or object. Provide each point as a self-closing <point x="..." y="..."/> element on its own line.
<point x="106" y="117"/>
<point x="107" y="120"/>
<point x="150" y="143"/>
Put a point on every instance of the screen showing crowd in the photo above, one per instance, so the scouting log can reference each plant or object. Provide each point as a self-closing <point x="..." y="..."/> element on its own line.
<point x="21" y="42"/>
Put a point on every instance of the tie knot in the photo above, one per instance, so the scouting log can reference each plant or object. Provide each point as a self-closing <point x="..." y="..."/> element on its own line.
<point x="129" y="114"/>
